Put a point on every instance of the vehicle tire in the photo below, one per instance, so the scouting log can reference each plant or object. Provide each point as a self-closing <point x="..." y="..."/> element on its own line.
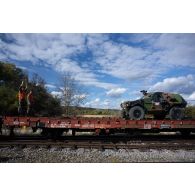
<point x="136" y="113"/>
<point x="176" y="113"/>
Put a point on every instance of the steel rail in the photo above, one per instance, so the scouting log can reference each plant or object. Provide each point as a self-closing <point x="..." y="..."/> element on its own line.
<point x="177" y="143"/>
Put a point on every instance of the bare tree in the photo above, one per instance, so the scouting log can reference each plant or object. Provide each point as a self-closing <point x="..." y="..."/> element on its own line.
<point x="37" y="80"/>
<point x="72" y="94"/>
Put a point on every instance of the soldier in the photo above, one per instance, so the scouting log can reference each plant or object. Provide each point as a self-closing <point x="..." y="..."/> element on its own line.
<point x="22" y="99"/>
<point x="29" y="102"/>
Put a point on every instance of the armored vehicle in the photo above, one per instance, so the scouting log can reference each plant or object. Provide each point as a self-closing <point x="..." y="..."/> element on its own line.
<point x="159" y="104"/>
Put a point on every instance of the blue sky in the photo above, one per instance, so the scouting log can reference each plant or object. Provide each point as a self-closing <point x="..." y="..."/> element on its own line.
<point x="112" y="67"/>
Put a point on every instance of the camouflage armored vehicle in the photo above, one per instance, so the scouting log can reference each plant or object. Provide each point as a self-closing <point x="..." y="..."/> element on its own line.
<point x="158" y="104"/>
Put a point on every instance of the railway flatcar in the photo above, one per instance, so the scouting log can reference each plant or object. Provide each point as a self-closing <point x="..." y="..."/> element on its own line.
<point x="55" y="127"/>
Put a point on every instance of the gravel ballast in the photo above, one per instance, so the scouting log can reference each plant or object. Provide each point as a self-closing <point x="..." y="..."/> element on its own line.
<point x="63" y="155"/>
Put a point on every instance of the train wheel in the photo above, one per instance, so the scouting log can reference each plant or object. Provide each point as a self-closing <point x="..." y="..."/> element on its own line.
<point x="34" y="129"/>
<point x="44" y="132"/>
<point x="58" y="133"/>
<point x="73" y="132"/>
<point x="185" y="133"/>
<point x="12" y="134"/>
<point x="52" y="133"/>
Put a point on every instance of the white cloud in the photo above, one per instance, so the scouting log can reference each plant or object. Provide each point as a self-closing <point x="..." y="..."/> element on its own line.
<point x="117" y="92"/>
<point x="94" y="103"/>
<point x="176" y="49"/>
<point x="56" y="93"/>
<point x="22" y="67"/>
<point x="85" y="76"/>
<point x="182" y="84"/>
<point x="99" y="103"/>
<point x="97" y="100"/>
<point x="49" y="48"/>
<point x="106" y="103"/>
<point x="192" y="97"/>
<point x="81" y="96"/>
<point x="162" y="53"/>
<point x="123" y="61"/>
<point x="169" y="49"/>
<point x="50" y="86"/>
<point x="150" y="55"/>
<point x="55" y="50"/>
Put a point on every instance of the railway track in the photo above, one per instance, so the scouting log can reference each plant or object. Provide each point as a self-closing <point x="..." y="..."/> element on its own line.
<point x="103" y="142"/>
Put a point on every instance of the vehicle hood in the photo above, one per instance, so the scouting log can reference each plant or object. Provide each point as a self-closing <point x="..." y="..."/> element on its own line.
<point x="128" y="103"/>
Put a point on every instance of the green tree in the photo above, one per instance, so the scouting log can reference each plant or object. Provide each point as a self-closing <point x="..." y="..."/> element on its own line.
<point x="10" y="79"/>
<point x="190" y="112"/>
<point x="44" y="103"/>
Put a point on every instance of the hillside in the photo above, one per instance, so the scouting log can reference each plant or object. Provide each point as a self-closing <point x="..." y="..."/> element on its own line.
<point x="96" y="111"/>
